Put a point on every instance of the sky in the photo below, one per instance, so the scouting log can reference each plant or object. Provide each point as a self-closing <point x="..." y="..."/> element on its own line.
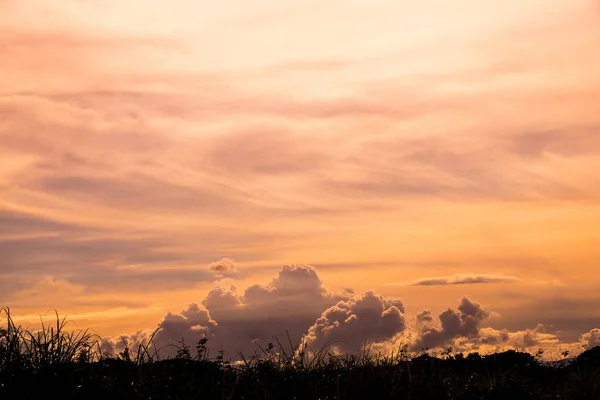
<point x="424" y="172"/>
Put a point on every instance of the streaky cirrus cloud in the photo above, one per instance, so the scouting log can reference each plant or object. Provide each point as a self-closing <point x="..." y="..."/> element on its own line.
<point x="460" y="279"/>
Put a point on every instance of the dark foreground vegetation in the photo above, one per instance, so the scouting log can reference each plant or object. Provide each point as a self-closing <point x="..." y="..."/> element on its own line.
<point x="69" y="365"/>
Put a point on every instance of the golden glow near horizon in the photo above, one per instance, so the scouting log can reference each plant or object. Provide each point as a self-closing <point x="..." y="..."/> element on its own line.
<point x="425" y="150"/>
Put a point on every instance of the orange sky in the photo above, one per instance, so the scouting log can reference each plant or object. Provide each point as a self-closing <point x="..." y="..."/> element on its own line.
<point x="383" y="142"/>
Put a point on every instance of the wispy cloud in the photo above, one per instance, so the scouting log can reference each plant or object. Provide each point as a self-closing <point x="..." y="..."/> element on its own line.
<point x="459" y="279"/>
<point x="134" y="154"/>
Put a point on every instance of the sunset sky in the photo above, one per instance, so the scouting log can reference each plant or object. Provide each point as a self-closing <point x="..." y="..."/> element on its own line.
<point x="161" y="162"/>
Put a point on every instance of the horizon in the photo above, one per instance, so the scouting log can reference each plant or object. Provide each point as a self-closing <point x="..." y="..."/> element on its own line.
<point x="351" y="170"/>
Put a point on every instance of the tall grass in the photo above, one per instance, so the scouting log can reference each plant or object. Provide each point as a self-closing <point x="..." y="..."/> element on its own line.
<point x="51" y="344"/>
<point x="53" y="355"/>
<point x="144" y="352"/>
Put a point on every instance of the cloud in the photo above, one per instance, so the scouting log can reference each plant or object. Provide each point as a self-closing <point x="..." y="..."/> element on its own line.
<point x="553" y="282"/>
<point x="29" y="292"/>
<point x="265" y="149"/>
<point x="194" y="322"/>
<point x="569" y="311"/>
<point x="317" y="66"/>
<point x="462" y="279"/>
<point x="568" y="143"/>
<point x="527" y="165"/>
<point x="424" y="317"/>
<point x="223" y="299"/>
<point x="45" y="290"/>
<point x="460" y="329"/>
<point x="103" y="262"/>
<point x="223" y="268"/>
<point x="591" y="338"/>
<point x="364" y="317"/>
<point x="16" y="223"/>
<point x="128" y="191"/>
<point x="295" y="302"/>
<point x="293" y="283"/>
<point x="121" y="155"/>
<point x="494" y="338"/>
<point x="115" y="345"/>
<point x="188" y="325"/>
<point x="454" y="323"/>
<point x="289" y="304"/>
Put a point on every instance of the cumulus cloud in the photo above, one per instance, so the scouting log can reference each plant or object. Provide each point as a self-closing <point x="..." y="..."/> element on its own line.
<point x="223" y="268"/>
<point x="490" y="339"/>
<point x="454" y="323"/>
<point x="190" y="325"/>
<point x="289" y="304"/>
<point x="460" y="329"/>
<point x="294" y="284"/>
<point x="223" y="298"/>
<point x="591" y="338"/>
<point x="296" y="303"/>
<point x="462" y="279"/>
<point x="348" y="324"/>
<point x="115" y="345"/>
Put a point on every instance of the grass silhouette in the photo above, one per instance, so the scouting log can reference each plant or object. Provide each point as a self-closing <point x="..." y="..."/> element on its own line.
<point x="71" y="365"/>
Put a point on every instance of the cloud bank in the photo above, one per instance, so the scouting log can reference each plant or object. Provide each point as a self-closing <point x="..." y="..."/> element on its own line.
<point x="296" y="303"/>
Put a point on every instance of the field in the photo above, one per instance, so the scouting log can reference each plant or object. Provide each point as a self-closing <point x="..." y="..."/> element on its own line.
<point x="69" y="365"/>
